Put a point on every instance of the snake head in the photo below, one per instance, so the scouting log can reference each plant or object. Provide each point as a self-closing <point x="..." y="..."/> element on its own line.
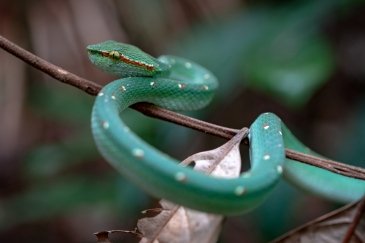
<point x="124" y="60"/>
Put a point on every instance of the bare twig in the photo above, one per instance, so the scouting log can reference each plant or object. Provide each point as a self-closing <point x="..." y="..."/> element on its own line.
<point x="49" y="68"/>
<point x="177" y="118"/>
<point x="359" y="212"/>
<point x="157" y="112"/>
<point x="313" y="227"/>
<point x="93" y="89"/>
<point x="331" y="165"/>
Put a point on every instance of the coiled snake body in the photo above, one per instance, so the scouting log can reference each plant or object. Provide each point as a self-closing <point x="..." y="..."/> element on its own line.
<point x="178" y="84"/>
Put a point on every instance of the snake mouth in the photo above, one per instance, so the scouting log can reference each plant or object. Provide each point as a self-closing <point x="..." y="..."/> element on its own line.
<point x="92" y="51"/>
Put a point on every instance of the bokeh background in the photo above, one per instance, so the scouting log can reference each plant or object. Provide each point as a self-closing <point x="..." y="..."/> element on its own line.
<point x="304" y="60"/>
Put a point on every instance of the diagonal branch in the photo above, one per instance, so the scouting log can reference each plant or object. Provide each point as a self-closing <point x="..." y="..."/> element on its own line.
<point x="93" y="89"/>
<point x="167" y="115"/>
<point x="49" y="68"/>
<point x="358" y="215"/>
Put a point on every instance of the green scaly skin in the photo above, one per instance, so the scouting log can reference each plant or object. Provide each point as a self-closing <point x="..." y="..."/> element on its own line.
<point x="178" y="84"/>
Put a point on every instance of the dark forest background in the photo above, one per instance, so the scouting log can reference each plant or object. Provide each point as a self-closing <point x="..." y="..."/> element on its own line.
<point x="303" y="60"/>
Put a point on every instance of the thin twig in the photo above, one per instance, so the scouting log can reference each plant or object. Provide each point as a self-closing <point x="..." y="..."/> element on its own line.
<point x="306" y="228"/>
<point x="157" y="112"/>
<point x="359" y="212"/>
<point x="331" y="165"/>
<point x="93" y="89"/>
<point x="49" y="68"/>
<point x="177" y="118"/>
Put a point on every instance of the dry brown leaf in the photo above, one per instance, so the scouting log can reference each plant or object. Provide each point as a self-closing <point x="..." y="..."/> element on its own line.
<point x="329" y="228"/>
<point x="105" y="236"/>
<point x="224" y="161"/>
<point x="178" y="224"/>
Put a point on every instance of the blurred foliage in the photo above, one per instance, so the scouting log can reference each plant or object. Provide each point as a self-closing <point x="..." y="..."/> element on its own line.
<point x="64" y="154"/>
<point x="353" y="149"/>
<point x="64" y="104"/>
<point x="69" y="194"/>
<point x="282" y="56"/>
<point x="268" y="49"/>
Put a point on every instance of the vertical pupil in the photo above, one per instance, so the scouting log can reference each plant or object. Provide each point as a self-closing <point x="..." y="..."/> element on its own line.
<point x="114" y="54"/>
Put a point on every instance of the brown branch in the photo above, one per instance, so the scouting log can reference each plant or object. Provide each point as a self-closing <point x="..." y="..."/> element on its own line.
<point x="93" y="89"/>
<point x="359" y="212"/>
<point x="157" y="112"/>
<point x="307" y="228"/>
<point x="331" y="165"/>
<point x="49" y="68"/>
<point x="177" y="118"/>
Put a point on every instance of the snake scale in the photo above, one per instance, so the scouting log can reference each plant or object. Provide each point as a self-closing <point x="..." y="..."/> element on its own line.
<point x="178" y="84"/>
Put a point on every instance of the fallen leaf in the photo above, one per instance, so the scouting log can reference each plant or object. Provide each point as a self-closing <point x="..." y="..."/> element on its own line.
<point x="104" y="236"/>
<point x="224" y="161"/>
<point x="332" y="227"/>
<point x="178" y="224"/>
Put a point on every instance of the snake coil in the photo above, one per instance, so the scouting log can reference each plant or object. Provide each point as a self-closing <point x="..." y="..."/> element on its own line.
<point x="179" y="84"/>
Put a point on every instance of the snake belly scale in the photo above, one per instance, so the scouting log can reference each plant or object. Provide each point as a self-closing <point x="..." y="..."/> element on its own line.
<point x="179" y="84"/>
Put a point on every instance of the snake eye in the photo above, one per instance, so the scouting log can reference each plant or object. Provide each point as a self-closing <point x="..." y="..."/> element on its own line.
<point x="104" y="53"/>
<point x="114" y="54"/>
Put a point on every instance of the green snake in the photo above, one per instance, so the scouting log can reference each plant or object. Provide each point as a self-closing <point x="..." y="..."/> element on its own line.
<point x="179" y="84"/>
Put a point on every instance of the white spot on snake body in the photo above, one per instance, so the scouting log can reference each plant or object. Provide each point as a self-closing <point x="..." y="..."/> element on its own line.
<point x="180" y="176"/>
<point x="181" y="86"/>
<point x="105" y="124"/>
<point x="280" y="145"/>
<point x="280" y="133"/>
<point x="266" y="157"/>
<point x="137" y="152"/>
<point x="205" y="87"/>
<point x="123" y="88"/>
<point x="188" y="65"/>
<point x="240" y="190"/>
<point x="279" y="169"/>
<point x="266" y="127"/>
<point x="206" y="76"/>
<point x="113" y="97"/>
<point x="152" y="83"/>
<point x="101" y="94"/>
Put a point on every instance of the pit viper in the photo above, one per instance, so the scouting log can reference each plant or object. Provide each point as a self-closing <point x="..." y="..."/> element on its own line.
<point x="179" y="84"/>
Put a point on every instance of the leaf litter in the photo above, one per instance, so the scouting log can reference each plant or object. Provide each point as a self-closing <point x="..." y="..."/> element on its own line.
<point x="346" y="225"/>
<point x="177" y="224"/>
